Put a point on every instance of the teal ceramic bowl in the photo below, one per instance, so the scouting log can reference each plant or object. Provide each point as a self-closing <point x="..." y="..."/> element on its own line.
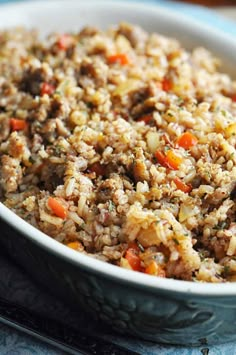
<point x="161" y="310"/>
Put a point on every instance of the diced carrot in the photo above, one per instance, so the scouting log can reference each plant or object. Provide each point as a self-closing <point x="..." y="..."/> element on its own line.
<point x="74" y="245"/>
<point x="233" y="97"/>
<point x="187" y="140"/>
<point x="57" y="207"/>
<point x="120" y="58"/>
<point x="173" y="160"/>
<point x="146" y="118"/>
<point x="133" y="259"/>
<point x="167" y="84"/>
<point x="169" y="160"/>
<point x="134" y="247"/>
<point x="161" y="158"/>
<point x="47" y="89"/>
<point x="154" y="269"/>
<point x="97" y="168"/>
<point x="17" y="125"/>
<point x="64" y="42"/>
<point x="182" y="186"/>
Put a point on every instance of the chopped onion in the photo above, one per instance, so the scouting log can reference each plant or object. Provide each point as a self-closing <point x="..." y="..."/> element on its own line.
<point x="127" y="86"/>
<point x="186" y="212"/>
<point x="125" y="264"/>
<point x="153" y="141"/>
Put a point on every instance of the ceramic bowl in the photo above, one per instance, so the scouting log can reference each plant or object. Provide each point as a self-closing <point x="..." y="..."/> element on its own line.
<point x="161" y="310"/>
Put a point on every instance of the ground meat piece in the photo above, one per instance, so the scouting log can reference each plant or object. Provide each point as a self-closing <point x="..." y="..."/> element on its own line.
<point x="220" y="194"/>
<point x="59" y="108"/>
<point x="143" y="108"/>
<point x="11" y="173"/>
<point x="18" y="147"/>
<point x="134" y="34"/>
<point x="4" y="128"/>
<point x="48" y="131"/>
<point x="88" y="31"/>
<point x="95" y="70"/>
<point x="9" y="97"/>
<point x="178" y="268"/>
<point x="34" y="77"/>
<point x="51" y="176"/>
<point x="140" y="170"/>
<point x="108" y="187"/>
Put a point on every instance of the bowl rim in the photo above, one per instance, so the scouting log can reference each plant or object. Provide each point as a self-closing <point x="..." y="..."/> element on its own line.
<point x="118" y="274"/>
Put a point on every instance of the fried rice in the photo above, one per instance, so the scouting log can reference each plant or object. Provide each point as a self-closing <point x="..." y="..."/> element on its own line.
<point x="121" y="145"/>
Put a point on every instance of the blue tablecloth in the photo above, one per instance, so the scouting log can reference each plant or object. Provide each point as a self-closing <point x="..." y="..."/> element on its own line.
<point x="18" y="287"/>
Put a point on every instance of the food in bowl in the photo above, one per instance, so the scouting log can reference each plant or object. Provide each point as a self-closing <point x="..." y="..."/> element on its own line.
<point x="121" y="144"/>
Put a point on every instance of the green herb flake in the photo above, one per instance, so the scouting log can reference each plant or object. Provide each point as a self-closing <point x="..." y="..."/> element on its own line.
<point x="111" y="206"/>
<point x="82" y="225"/>
<point x="31" y="160"/>
<point x="89" y="105"/>
<point x="224" y="113"/>
<point x="201" y="255"/>
<point x="66" y="83"/>
<point x="140" y="246"/>
<point x="180" y="100"/>
<point x="166" y="148"/>
<point x="220" y="226"/>
<point x="57" y="150"/>
<point x="226" y="270"/>
<point x="176" y="241"/>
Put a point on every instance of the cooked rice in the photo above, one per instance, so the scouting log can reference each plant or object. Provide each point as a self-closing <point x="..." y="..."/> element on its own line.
<point x="90" y="128"/>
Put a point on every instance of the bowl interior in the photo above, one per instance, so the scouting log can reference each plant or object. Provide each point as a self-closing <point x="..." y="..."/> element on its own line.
<point x="71" y="15"/>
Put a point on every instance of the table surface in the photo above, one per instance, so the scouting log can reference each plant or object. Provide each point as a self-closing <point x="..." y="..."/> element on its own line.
<point x="14" y="284"/>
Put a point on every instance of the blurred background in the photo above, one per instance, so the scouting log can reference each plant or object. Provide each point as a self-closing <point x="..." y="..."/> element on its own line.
<point x="208" y="3"/>
<point x="212" y="3"/>
<point x="224" y="7"/>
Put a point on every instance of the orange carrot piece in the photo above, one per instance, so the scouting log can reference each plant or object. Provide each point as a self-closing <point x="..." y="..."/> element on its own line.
<point x="120" y="58"/>
<point x="161" y="158"/>
<point x="187" y="140"/>
<point x="64" y="42"/>
<point x="169" y="160"/>
<point x="134" y="247"/>
<point x="47" y="89"/>
<point x="182" y="186"/>
<point x="233" y="97"/>
<point x="146" y="118"/>
<point x="17" y="125"/>
<point x="74" y="245"/>
<point x="173" y="160"/>
<point x="154" y="269"/>
<point x="133" y="259"/>
<point x="167" y="84"/>
<point x="57" y="207"/>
